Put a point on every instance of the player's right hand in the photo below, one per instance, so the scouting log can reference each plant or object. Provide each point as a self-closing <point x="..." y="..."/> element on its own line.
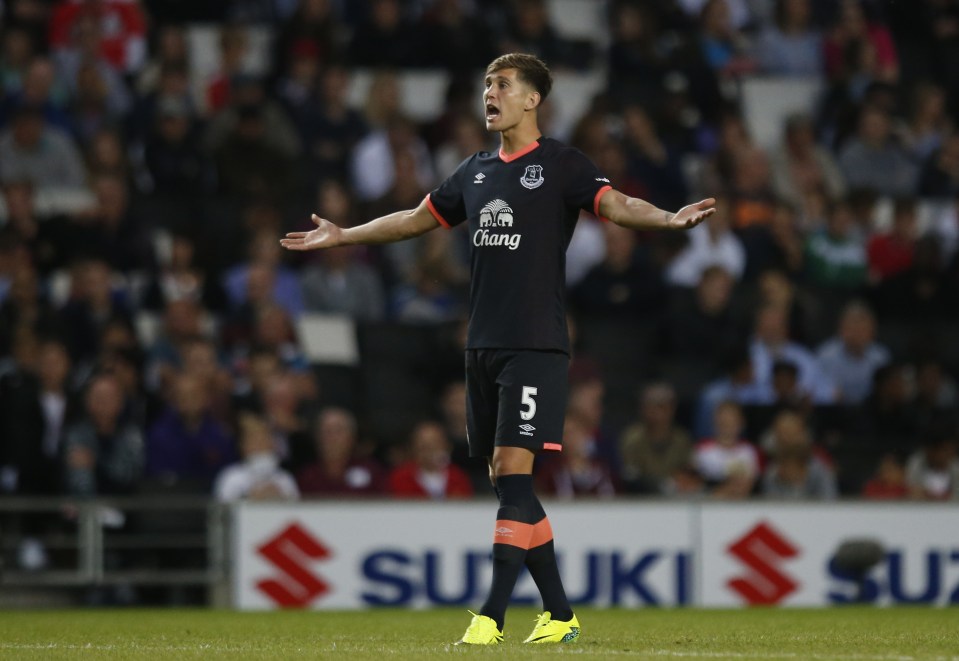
<point x="326" y="235"/>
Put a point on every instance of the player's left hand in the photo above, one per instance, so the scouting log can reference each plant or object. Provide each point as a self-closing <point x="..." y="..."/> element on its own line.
<point x="692" y="214"/>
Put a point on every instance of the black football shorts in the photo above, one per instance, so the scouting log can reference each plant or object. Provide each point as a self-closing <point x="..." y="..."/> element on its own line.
<point x="515" y="399"/>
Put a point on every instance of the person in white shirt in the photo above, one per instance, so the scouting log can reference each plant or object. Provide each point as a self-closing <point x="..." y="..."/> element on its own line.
<point x="258" y="476"/>
<point x="728" y="463"/>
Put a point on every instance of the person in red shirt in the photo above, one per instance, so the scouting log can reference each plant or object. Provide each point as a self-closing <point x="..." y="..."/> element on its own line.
<point x="429" y="473"/>
<point x="892" y="252"/>
<point x="120" y="29"/>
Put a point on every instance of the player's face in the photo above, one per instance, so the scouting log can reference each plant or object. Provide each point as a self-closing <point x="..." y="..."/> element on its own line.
<point x="507" y="99"/>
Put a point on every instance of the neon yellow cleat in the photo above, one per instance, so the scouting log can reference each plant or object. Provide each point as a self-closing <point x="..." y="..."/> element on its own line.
<point x="548" y="630"/>
<point x="481" y="631"/>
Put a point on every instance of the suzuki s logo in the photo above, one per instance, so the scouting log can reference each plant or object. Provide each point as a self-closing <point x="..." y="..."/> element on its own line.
<point x="762" y="550"/>
<point x="533" y="177"/>
<point x="292" y="552"/>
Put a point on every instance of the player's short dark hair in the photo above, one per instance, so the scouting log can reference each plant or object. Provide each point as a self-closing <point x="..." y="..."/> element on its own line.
<point x="529" y="68"/>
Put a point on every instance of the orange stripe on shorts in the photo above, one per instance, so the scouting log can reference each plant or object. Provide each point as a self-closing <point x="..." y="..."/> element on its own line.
<point x="542" y="533"/>
<point x="513" y="533"/>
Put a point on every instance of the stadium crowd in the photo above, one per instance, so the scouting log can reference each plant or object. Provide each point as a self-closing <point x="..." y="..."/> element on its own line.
<point x="800" y="344"/>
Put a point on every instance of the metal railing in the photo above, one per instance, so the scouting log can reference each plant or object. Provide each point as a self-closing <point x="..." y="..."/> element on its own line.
<point x="172" y="542"/>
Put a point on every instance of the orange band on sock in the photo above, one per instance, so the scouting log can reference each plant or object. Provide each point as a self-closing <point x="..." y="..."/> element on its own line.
<point x="513" y="533"/>
<point x="542" y="533"/>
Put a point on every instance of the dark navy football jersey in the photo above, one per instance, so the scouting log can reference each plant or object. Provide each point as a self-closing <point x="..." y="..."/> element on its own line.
<point x="521" y="211"/>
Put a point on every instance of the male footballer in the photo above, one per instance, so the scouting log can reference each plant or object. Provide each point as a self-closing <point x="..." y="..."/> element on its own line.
<point x="521" y="204"/>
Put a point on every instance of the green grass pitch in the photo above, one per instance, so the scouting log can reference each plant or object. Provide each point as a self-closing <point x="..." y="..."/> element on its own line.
<point x="862" y="634"/>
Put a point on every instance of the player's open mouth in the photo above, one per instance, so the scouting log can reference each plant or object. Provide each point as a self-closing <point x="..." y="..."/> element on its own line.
<point x="492" y="112"/>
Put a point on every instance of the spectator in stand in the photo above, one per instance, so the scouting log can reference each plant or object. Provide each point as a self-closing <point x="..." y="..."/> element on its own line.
<point x="889" y="480"/>
<point x="835" y="257"/>
<point x="932" y="473"/>
<point x="170" y="48"/>
<point x="429" y="471"/>
<point x="891" y="253"/>
<point x="257" y="476"/>
<point x="98" y="102"/>
<point x="340" y="469"/>
<point x="201" y="360"/>
<point x="703" y="326"/>
<point x="738" y="384"/>
<point x="313" y="27"/>
<point x="723" y="46"/>
<point x="940" y="172"/>
<point x="652" y="161"/>
<point x="93" y="303"/>
<point x="114" y="30"/>
<point x="282" y="410"/>
<point x="103" y="453"/>
<point x="936" y="394"/>
<point x="264" y="268"/>
<point x="36" y="410"/>
<point x="771" y="343"/>
<point x="384" y="38"/>
<point x="577" y="471"/>
<point x="186" y="444"/>
<point x="795" y="471"/>
<point x="249" y="100"/>
<point x="853" y="31"/>
<point x="248" y="163"/>
<point x="41" y="88"/>
<point x="112" y="230"/>
<point x="331" y="134"/>
<point x="874" y="159"/>
<point x="655" y="452"/>
<point x="637" y="61"/>
<point x="16" y="52"/>
<point x="728" y="463"/>
<point x="801" y="167"/>
<point x="889" y="420"/>
<point x="176" y="165"/>
<point x="183" y="322"/>
<point x="922" y="293"/>
<point x="851" y="357"/>
<point x="530" y="30"/>
<point x="179" y="278"/>
<point x="928" y="124"/>
<point x="341" y="281"/>
<point x="25" y="308"/>
<point x="376" y="160"/>
<point x="234" y="47"/>
<point x="173" y="85"/>
<point x="31" y="150"/>
<point x="454" y="36"/>
<point x="625" y="285"/>
<point x="710" y="244"/>
<point x="791" y="45"/>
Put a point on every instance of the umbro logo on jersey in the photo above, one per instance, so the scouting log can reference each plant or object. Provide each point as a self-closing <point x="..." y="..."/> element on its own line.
<point x="603" y="179"/>
<point x="533" y="177"/>
<point x="528" y="429"/>
<point x="479" y="178"/>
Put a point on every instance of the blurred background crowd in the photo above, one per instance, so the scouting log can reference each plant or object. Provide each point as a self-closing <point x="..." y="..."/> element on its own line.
<point x="801" y="344"/>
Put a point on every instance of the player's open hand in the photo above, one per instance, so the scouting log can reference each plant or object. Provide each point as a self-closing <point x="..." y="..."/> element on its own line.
<point x="692" y="214"/>
<point x="326" y="235"/>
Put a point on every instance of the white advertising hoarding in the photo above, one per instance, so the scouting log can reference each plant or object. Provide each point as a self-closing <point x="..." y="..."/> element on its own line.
<point x="753" y="554"/>
<point x="355" y="555"/>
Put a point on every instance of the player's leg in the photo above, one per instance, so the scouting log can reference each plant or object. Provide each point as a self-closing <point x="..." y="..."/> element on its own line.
<point x="481" y="410"/>
<point x="512" y="470"/>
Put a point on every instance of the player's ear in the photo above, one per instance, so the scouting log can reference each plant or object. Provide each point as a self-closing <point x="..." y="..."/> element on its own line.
<point x="532" y="100"/>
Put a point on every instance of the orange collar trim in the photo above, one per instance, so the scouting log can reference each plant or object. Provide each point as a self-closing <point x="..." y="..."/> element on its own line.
<point x="508" y="158"/>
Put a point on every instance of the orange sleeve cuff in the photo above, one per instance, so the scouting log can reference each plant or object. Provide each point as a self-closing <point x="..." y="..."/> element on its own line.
<point x="436" y="214"/>
<point x="599" y="195"/>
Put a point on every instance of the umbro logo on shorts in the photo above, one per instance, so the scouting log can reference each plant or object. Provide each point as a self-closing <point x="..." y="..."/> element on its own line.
<point x="502" y="530"/>
<point x="528" y="429"/>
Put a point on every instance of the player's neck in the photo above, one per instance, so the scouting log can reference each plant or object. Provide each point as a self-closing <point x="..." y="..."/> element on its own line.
<point x="518" y="137"/>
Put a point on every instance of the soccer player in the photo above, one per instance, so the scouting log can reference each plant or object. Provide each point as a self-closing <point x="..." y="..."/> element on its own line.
<point x="521" y="204"/>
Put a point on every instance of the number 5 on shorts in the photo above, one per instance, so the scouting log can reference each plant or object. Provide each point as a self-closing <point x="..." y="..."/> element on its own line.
<point x="529" y="402"/>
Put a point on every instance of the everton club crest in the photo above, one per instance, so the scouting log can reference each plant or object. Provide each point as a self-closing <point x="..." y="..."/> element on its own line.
<point x="533" y="178"/>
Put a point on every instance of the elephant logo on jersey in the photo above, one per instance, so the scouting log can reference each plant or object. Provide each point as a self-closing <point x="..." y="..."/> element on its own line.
<point x="496" y="214"/>
<point x="533" y="178"/>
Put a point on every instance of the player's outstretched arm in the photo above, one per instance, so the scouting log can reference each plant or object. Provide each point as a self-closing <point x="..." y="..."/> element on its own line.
<point x="638" y="214"/>
<point x="385" y="229"/>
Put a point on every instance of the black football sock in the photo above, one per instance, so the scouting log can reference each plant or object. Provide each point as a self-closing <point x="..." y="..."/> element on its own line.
<point x="511" y="538"/>
<point x="541" y="562"/>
